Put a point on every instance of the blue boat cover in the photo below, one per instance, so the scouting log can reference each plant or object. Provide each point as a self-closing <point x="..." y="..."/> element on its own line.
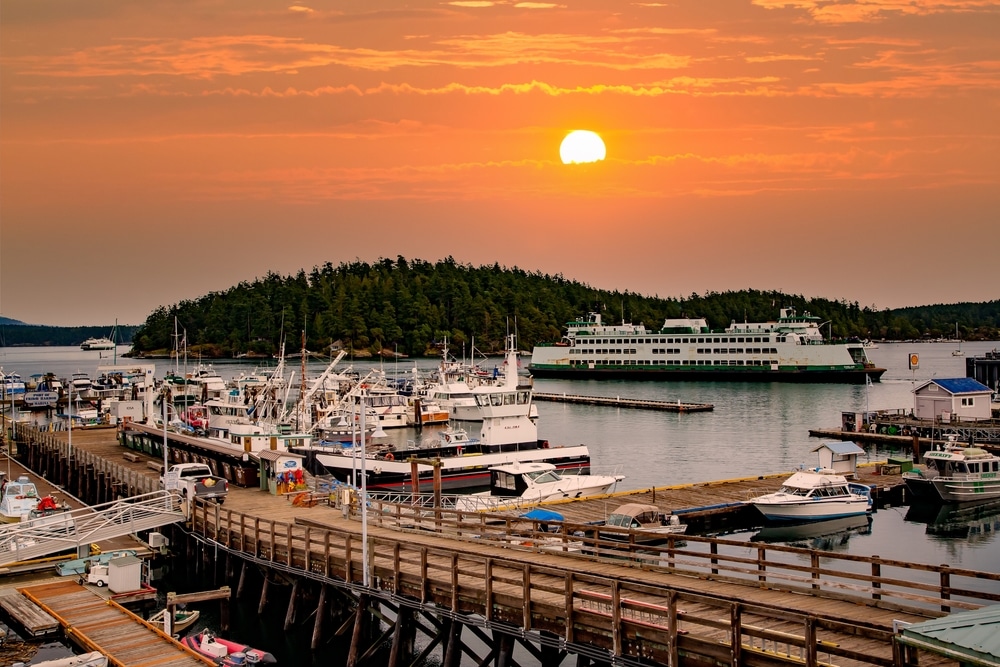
<point x="538" y="514"/>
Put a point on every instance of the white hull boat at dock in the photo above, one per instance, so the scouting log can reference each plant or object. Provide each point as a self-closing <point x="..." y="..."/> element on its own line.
<point x="814" y="495"/>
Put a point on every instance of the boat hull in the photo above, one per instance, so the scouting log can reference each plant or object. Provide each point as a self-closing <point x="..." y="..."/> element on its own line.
<point x="812" y="510"/>
<point x="468" y="471"/>
<point x="731" y="374"/>
<point x="966" y="490"/>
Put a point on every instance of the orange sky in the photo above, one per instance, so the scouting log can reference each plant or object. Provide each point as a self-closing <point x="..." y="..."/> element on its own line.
<point x="152" y="152"/>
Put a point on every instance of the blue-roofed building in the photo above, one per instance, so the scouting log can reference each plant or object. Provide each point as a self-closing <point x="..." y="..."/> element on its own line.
<point x="955" y="399"/>
<point x="970" y="637"/>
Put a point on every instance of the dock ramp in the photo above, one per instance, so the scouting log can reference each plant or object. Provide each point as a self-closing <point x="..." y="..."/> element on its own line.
<point x="61" y="531"/>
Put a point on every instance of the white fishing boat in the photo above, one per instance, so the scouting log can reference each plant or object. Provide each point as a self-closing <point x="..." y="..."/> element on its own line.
<point x="517" y="484"/>
<point x="958" y="351"/>
<point x="507" y="435"/>
<point x="11" y="384"/>
<point x="955" y="473"/>
<point x="814" y="494"/>
<point x="792" y="349"/>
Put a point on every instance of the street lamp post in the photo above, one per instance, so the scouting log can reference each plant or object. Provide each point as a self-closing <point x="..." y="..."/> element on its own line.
<point x="377" y="433"/>
<point x="364" y="495"/>
<point x="69" y="427"/>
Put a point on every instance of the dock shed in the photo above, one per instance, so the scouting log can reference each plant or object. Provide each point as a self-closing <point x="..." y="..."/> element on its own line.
<point x="948" y="400"/>
<point x="124" y="574"/>
<point x="280" y="472"/>
<point x="839" y="456"/>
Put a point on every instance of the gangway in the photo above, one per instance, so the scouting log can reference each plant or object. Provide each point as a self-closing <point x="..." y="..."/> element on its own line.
<point x="59" y="531"/>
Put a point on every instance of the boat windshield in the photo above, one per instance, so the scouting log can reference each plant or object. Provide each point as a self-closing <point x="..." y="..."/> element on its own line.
<point x="793" y="491"/>
<point x="545" y="477"/>
<point x="623" y="520"/>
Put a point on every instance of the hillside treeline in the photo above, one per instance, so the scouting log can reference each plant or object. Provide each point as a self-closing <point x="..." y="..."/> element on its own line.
<point x="36" y="335"/>
<point x="412" y="307"/>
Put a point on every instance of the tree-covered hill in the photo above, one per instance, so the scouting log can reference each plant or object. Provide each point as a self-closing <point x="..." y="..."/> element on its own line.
<point x="410" y="306"/>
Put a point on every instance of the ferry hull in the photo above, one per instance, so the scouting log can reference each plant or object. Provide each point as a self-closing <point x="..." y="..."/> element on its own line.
<point x="746" y="374"/>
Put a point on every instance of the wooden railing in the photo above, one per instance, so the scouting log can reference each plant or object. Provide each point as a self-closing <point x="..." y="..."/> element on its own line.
<point x="625" y="613"/>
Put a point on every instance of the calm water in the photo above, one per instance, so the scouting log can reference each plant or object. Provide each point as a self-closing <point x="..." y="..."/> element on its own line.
<point x="754" y="429"/>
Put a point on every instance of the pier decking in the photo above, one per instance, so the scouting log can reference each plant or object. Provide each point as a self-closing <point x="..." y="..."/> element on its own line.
<point x="104" y="625"/>
<point x="619" y="402"/>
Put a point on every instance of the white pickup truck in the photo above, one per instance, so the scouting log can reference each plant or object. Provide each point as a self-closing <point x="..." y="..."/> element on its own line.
<point x="195" y="480"/>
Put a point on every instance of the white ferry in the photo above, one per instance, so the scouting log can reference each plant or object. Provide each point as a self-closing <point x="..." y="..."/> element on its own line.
<point x="792" y="349"/>
<point x="97" y="344"/>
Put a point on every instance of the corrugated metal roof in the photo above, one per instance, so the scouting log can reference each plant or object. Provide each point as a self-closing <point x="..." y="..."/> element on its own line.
<point x="275" y="454"/>
<point x="961" y="385"/>
<point x="841" y="448"/>
<point x="975" y="635"/>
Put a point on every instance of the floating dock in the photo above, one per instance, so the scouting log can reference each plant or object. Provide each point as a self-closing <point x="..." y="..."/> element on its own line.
<point x="619" y="402"/>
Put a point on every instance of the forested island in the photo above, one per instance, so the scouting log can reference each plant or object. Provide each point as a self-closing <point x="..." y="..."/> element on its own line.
<point x="411" y="307"/>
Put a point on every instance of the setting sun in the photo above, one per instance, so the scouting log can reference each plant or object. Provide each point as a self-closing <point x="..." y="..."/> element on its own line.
<point x="581" y="146"/>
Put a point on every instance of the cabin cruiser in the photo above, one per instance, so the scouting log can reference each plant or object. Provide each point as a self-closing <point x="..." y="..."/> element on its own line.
<point x="814" y="494"/>
<point x="536" y="482"/>
<point x="646" y="524"/>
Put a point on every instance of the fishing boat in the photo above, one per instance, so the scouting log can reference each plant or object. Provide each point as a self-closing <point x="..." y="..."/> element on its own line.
<point x="646" y="524"/>
<point x="11" y="384"/>
<point x="956" y="473"/>
<point x="507" y="435"/>
<point x="791" y="349"/>
<point x="518" y="483"/>
<point x="224" y="652"/>
<point x="815" y="494"/>
<point x="183" y="619"/>
<point x="958" y="351"/>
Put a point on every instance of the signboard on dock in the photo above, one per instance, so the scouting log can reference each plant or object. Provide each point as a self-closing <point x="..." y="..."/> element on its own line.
<point x="914" y="361"/>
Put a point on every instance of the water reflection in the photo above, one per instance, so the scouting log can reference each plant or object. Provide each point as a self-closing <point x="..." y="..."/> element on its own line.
<point x="977" y="523"/>
<point x="829" y="535"/>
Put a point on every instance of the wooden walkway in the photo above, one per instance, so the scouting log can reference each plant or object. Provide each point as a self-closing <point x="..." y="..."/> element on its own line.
<point x="104" y="625"/>
<point x="619" y="402"/>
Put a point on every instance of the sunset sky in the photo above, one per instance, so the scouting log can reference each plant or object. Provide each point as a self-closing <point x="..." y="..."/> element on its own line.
<point x="154" y="151"/>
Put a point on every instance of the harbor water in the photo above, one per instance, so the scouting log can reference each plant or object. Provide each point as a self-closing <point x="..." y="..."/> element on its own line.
<point x="754" y="429"/>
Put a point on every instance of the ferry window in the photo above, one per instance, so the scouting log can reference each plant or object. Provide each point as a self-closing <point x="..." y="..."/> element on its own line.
<point x="739" y="340"/>
<point x="508" y="399"/>
<point x="973" y="467"/>
<point x="496" y="399"/>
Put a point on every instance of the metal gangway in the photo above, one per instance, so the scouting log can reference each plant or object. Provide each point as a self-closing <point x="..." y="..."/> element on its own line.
<point x="57" y="531"/>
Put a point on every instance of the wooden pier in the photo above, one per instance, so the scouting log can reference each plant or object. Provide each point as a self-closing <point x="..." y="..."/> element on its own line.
<point x="619" y="402"/>
<point x="694" y="600"/>
<point x="103" y="625"/>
